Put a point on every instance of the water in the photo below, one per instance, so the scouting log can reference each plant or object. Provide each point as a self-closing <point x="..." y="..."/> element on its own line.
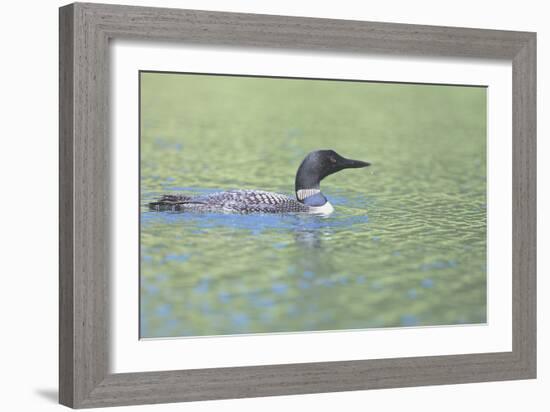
<point x="406" y="245"/>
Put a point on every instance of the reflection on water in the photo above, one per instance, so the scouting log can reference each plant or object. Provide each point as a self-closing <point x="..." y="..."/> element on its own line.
<point x="404" y="247"/>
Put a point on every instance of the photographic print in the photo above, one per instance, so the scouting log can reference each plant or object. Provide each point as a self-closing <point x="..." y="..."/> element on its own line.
<point x="284" y="205"/>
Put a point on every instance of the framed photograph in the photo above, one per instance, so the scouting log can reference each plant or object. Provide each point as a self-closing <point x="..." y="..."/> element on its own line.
<point x="257" y="205"/>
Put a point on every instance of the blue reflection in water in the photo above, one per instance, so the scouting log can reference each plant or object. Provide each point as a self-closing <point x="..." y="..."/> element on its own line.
<point x="164" y="309"/>
<point x="427" y="283"/>
<point x="412" y="294"/>
<point x="257" y="223"/>
<point x="409" y="320"/>
<point x="176" y="257"/>
<point x="240" y="319"/>
<point x="302" y="284"/>
<point x="279" y="288"/>
<point x="308" y="274"/>
<point x="202" y="286"/>
<point x="224" y="297"/>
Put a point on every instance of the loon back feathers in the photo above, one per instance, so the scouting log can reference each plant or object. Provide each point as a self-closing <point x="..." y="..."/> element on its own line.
<point x="239" y="201"/>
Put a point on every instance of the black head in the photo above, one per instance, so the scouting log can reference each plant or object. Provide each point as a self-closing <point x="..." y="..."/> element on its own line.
<point x="321" y="163"/>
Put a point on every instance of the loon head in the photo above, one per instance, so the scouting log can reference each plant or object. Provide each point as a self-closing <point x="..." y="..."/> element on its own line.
<point x="315" y="167"/>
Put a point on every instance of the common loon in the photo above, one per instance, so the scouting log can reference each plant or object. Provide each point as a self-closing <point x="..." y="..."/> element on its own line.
<point x="315" y="167"/>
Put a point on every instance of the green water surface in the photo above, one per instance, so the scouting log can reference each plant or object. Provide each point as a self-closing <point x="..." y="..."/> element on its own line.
<point x="406" y="245"/>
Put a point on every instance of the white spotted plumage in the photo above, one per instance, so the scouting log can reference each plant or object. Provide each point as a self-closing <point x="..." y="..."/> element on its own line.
<point x="239" y="201"/>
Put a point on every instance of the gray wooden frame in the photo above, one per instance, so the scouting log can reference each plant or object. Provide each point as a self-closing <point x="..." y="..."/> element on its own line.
<point x="85" y="31"/>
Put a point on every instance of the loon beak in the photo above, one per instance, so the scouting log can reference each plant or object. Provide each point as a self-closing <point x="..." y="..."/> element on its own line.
<point x="354" y="164"/>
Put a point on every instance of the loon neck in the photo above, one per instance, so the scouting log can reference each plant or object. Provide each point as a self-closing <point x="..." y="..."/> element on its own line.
<point x="302" y="194"/>
<point x="307" y="184"/>
<point x="311" y="197"/>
